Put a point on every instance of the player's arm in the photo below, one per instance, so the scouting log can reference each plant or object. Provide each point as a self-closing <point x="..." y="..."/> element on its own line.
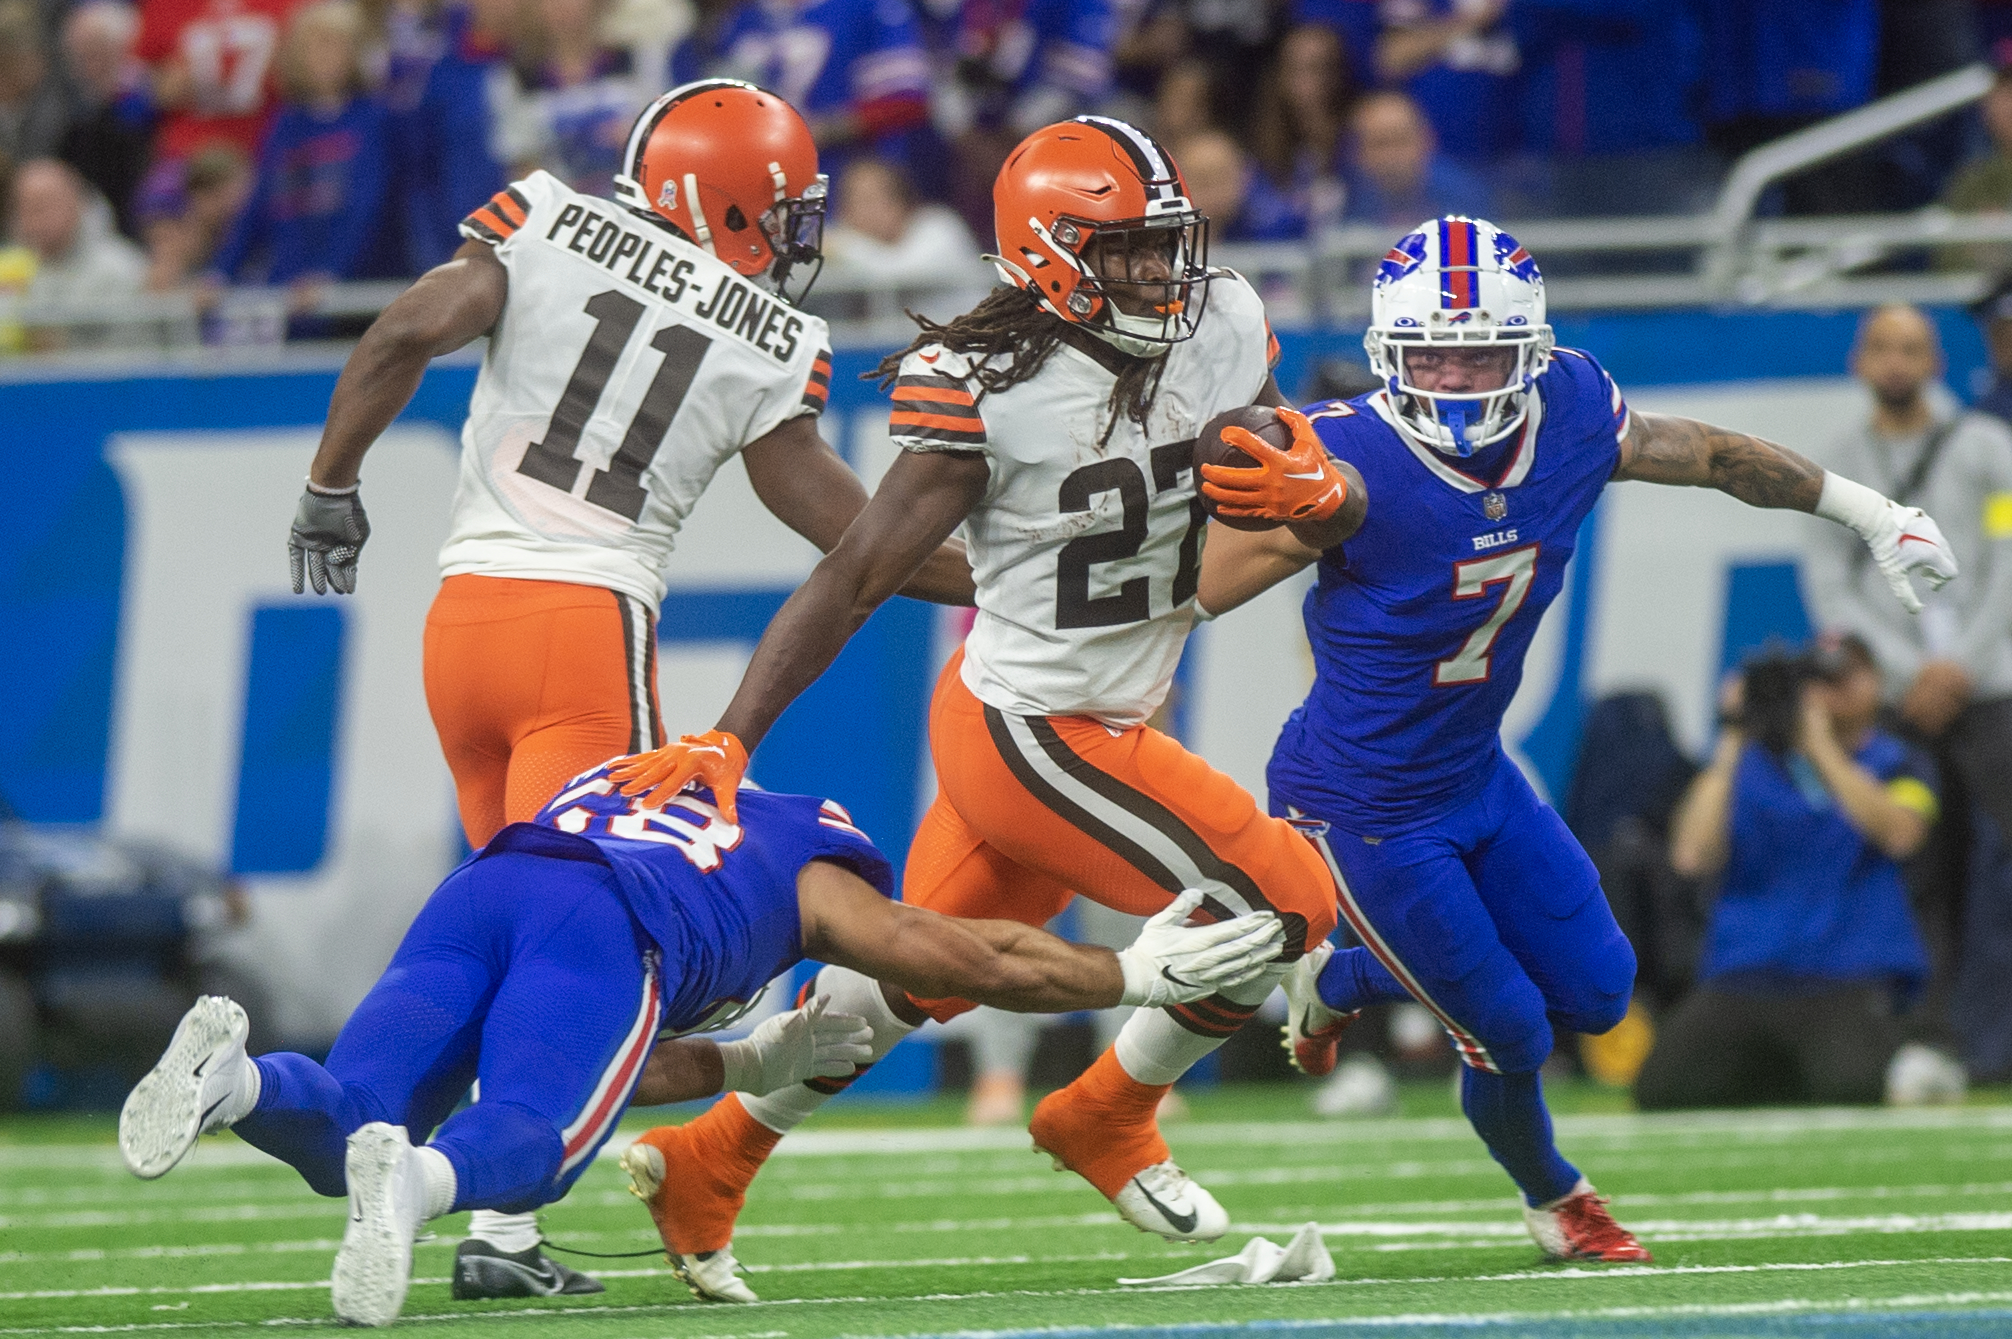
<point x="1240" y="565"/>
<point x="1894" y="820"/>
<point x="444" y="309"/>
<point x="924" y="496"/>
<point x="811" y="489"/>
<point x="788" y="1048"/>
<point x="1017" y="967"/>
<point x="1665" y="449"/>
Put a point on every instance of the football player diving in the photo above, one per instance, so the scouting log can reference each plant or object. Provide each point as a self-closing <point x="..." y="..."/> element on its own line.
<point x="635" y="347"/>
<point x="1484" y="449"/>
<point x="548" y="965"/>
<point x="1055" y="423"/>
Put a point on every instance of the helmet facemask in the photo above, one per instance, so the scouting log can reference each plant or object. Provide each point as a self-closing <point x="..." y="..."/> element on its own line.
<point x="1166" y="310"/>
<point x="1460" y="423"/>
<point x="795" y="231"/>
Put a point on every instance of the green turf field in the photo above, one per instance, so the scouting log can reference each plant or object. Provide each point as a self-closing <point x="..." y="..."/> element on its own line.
<point x="894" y="1221"/>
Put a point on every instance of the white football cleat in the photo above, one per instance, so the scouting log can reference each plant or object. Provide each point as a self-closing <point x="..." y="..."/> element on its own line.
<point x="1312" y="1030"/>
<point x="1164" y="1200"/>
<point x="189" y="1093"/>
<point x="387" y="1207"/>
<point x="711" y="1276"/>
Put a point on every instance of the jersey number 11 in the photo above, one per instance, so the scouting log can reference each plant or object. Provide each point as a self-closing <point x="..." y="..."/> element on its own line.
<point x="618" y="488"/>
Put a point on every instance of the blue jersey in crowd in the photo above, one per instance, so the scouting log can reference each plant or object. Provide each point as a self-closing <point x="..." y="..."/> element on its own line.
<point x="826" y="57"/>
<point x="444" y="132"/>
<point x="718" y="898"/>
<point x="1788" y="58"/>
<point x="318" y="203"/>
<point x="1804" y="896"/>
<point x="1618" y="78"/>
<point x="1419" y="623"/>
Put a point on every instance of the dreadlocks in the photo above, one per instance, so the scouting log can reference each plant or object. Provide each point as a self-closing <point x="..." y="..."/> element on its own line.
<point x="1010" y="322"/>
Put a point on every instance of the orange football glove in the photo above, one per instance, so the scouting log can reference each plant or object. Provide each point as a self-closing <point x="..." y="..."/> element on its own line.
<point x="1300" y="484"/>
<point x="714" y="758"/>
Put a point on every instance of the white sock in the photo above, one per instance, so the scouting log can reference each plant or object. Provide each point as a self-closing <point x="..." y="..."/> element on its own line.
<point x="851" y="993"/>
<point x="509" y="1233"/>
<point x="1154" y="1049"/>
<point x="441" y="1183"/>
<point x="246" y="1084"/>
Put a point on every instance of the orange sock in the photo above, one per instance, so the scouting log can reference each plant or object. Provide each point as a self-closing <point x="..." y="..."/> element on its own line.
<point x="1102" y="1125"/>
<point x="706" y="1183"/>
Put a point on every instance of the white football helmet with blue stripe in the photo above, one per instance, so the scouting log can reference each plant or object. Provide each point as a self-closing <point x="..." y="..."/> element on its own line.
<point x="1464" y="283"/>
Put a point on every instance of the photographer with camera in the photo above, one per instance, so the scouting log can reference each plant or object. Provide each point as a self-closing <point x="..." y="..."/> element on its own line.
<point x="1805" y="813"/>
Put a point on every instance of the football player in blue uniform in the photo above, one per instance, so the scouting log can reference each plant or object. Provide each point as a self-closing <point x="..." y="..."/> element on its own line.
<point x="1481" y="454"/>
<point x="548" y="965"/>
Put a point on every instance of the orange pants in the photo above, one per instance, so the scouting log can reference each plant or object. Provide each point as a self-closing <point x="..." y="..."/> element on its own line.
<point x="1031" y="809"/>
<point x="531" y="683"/>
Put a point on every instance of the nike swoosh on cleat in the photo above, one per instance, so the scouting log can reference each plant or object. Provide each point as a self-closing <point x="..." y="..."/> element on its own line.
<point x="1182" y="1222"/>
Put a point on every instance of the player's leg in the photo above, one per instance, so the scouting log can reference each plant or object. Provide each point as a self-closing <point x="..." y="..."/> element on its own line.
<point x="531" y="683"/>
<point x="597" y="700"/>
<point x="563" y="1037"/>
<point x="405" y="1056"/>
<point x="694" y="1177"/>
<point x="1129" y="819"/>
<point x="1542" y="895"/>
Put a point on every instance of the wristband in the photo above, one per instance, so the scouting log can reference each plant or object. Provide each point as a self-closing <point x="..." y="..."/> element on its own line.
<point x="1850" y="503"/>
<point x="740" y="1065"/>
<point x="319" y="491"/>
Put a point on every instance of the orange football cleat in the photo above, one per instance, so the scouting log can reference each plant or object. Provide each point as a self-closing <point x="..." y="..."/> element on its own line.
<point x="694" y="1178"/>
<point x="1103" y="1128"/>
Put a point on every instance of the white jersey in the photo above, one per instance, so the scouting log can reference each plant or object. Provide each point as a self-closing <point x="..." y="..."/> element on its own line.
<point x="1086" y="553"/>
<point x="629" y="365"/>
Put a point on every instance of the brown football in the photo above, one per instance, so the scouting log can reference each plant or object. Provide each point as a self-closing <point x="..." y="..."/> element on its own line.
<point x="1211" y="449"/>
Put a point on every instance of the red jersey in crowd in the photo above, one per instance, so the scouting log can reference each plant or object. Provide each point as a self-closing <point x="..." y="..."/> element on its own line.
<point x="231" y="49"/>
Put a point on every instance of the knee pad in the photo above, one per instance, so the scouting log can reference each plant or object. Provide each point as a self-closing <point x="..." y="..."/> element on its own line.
<point x="1599" y="999"/>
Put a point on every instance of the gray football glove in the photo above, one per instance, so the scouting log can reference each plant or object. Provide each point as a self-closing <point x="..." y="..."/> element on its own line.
<point x="328" y="533"/>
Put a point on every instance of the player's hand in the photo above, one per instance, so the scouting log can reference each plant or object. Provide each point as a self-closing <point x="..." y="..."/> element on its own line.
<point x="1172" y="962"/>
<point x="715" y="759"/>
<point x="796" y="1045"/>
<point x="1906" y="541"/>
<point x="1299" y="484"/>
<point x="328" y="532"/>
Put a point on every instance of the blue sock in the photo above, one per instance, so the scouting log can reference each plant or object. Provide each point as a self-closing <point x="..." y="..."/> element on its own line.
<point x="1354" y="979"/>
<point x="1508" y="1112"/>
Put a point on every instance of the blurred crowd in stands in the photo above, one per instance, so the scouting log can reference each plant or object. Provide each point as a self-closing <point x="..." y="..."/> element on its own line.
<point x="166" y="145"/>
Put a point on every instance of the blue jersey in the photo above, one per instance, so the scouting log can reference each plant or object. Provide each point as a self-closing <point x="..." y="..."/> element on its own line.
<point x="718" y="898"/>
<point x="1804" y="896"/>
<point x="825" y="57"/>
<point x="1419" y="623"/>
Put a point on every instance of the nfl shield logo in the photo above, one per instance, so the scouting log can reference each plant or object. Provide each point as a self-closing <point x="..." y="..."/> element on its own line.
<point x="1495" y="506"/>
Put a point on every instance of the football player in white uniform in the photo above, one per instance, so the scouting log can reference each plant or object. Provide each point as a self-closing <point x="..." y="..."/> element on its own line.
<point x="634" y="347"/>
<point x="1055" y="423"/>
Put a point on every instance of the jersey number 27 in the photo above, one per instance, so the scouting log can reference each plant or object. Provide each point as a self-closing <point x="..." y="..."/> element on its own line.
<point x="1513" y="571"/>
<point x="1075" y="607"/>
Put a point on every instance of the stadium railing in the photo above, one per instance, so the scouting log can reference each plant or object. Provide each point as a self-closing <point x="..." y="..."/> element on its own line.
<point x="1723" y="257"/>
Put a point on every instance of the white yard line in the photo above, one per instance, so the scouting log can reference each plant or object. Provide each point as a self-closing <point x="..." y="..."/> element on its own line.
<point x="1908" y="1301"/>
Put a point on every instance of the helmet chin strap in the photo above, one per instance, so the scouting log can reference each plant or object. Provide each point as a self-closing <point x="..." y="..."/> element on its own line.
<point x="1139" y="336"/>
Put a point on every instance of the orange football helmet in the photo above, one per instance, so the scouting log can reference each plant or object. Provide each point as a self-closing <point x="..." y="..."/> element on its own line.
<point x="733" y="168"/>
<point x="1093" y="218"/>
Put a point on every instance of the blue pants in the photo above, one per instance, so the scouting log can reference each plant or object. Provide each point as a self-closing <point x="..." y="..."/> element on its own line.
<point x="1491" y="917"/>
<point x="525" y="971"/>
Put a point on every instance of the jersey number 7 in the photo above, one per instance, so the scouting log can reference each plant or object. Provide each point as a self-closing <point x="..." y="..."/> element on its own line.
<point x="1514" y="571"/>
<point x="618" y="488"/>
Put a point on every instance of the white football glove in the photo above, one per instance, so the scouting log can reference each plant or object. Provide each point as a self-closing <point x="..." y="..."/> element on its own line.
<point x="799" y="1044"/>
<point x="1903" y="540"/>
<point x="1172" y="962"/>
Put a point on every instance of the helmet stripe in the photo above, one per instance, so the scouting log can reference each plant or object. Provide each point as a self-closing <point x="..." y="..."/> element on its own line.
<point x="1459" y="262"/>
<point x="646" y="124"/>
<point x="1156" y="171"/>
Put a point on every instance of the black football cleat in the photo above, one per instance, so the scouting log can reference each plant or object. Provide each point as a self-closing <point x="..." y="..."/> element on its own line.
<point x="480" y="1270"/>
